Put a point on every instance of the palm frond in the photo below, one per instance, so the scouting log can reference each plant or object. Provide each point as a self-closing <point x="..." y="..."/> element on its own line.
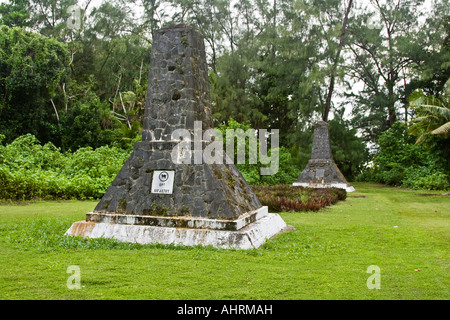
<point x="434" y="110"/>
<point x="444" y="129"/>
<point x="420" y="119"/>
<point x="420" y="139"/>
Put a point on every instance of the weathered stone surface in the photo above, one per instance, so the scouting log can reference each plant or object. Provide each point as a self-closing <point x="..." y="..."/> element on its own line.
<point x="200" y="190"/>
<point x="178" y="95"/>
<point x="321" y="170"/>
<point x="321" y="142"/>
<point x="210" y="204"/>
<point x="178" y="85"/>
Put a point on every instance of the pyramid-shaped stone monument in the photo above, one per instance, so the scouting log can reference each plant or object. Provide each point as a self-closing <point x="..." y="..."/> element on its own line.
<point x="155" y="199"/>
<point x="321" y="170"/>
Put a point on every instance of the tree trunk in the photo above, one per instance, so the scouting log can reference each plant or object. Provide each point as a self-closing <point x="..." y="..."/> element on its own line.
<point x="391" y="103"/>
<point x="336" y="62"/>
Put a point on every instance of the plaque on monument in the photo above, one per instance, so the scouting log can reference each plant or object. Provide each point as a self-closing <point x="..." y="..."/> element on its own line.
<point x="163" y="182"/>
<point x="155" y="199"/>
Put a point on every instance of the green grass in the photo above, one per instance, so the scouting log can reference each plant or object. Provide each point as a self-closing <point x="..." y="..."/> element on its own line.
<point x="405" y="234"/>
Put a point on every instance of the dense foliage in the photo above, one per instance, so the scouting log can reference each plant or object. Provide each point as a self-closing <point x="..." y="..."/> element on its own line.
<point x="31" y="68"/>
<point x="287" y="171"/>
<point x="402" y="162"/>
<point x="30" y="170"/>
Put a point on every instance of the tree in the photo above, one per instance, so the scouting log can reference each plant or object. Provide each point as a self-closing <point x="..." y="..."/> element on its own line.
<point x="432" y="115"/>
<point x="14" y="14"/>
<point x="204" y="16"/>
<point x="32" y="68"/>
<point x="49" y="17"/>
<point x="88" y="124"/>
<point x="230" y="94"/>
<point x="282" y="63"/>
<point x="432" y="70"/>
<point x="152" y="16"/>
<point x="335" y="58"/>
<point x="382" y="44"/>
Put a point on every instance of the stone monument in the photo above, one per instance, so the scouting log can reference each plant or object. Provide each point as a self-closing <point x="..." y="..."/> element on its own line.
<point x="156" y="200"/>
<point x="321" y="170"/>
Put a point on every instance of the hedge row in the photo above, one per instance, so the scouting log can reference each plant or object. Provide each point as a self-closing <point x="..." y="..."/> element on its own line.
<point x="287" y="198"/>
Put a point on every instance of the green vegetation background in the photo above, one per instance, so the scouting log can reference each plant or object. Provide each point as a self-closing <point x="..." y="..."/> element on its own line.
<point x="81" y="92"/>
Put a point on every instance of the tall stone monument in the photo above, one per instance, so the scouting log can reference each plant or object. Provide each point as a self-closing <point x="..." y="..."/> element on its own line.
<point x="321" y="170"/>
<point x="154" y="199"/>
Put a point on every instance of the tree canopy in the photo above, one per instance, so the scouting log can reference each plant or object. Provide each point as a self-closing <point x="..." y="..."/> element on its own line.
<point x="278" y="64"/>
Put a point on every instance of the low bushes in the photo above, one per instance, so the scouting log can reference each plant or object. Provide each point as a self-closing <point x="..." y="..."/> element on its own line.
<point x="400" y="161"/>
<point x="287" y="198"/>
<point x="29" y="170"/>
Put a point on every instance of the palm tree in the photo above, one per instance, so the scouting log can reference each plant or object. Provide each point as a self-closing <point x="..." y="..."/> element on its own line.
<point x="432" y="114"/>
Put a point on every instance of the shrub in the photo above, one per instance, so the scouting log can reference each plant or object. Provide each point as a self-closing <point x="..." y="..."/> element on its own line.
<point x="424" y="178"/>
<point x="401" y="162"/>
<point x="287" y="198"/>
<point x="29" y="170"/>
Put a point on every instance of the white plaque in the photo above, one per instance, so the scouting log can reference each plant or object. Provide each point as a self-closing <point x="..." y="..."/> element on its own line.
<point x="163" y="182"/>
<point x="320" y="173"/>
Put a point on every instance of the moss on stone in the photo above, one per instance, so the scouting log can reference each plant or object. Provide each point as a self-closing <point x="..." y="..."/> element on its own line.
<point x="217" y="173"/>
<point x="230" y="179"/>
<point x="122" y="205"/>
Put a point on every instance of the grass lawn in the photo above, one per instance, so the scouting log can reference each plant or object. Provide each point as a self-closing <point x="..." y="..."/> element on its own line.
<point x="403" y="232"/>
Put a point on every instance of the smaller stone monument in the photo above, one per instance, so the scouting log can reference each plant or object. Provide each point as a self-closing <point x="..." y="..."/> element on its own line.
<point x="321" y="170"/>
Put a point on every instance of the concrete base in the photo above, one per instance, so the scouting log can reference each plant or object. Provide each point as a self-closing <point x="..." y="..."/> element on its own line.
<point x="249" y="237"/>
<point x="345" y="186"/>
<point x="179" y="221"/>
